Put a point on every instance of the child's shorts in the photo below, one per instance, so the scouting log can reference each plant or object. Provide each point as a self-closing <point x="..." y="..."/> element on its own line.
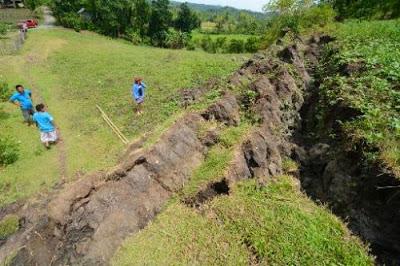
<point x="139" y="100"/>
<point x="48" y="136"/>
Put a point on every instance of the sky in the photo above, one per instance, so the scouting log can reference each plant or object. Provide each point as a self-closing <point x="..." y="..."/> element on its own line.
<point x="255" y="5"/>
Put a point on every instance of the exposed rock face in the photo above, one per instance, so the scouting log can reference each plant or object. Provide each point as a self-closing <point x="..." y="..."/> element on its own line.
<point x="88" y="219"/>
<point x="279" y="98"/>
<point x="225" y="111"/>
<point x="359" y="191"/>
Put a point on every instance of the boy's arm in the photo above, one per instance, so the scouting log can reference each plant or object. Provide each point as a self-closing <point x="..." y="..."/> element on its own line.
<point x="135" y="92"/>
<point x="34" y="120"/>
<point x="14" y="101"/>
<point x="53" y="122"/>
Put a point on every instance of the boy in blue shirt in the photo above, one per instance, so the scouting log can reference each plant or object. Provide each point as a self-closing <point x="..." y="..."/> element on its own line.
<point x="46" y="125"/>
<point x="23" y="99"/>
<point x="138" y="90"/>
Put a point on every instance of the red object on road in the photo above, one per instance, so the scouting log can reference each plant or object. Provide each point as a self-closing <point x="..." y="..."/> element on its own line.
<point x="30" y="23"/>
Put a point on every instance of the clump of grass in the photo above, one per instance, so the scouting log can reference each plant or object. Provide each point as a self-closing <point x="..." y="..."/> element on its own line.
<point x="284" y="227"/>
<point x="214" y="166"/>
<point x="231" y="135"/>
<point x="271" y="225"/>
<point x="9" y="226"/>
<point x="180" y="236"/>
<point x="217" y="159"/>
<point x="289" y="166"/>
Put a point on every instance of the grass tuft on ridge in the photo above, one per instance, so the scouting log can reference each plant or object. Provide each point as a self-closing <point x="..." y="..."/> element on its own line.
<point x="271" y="225"/>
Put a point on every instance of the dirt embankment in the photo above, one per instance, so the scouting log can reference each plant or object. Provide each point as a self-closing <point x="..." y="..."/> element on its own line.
<point x="334" y="171"/>
<point x="86" y="221"/>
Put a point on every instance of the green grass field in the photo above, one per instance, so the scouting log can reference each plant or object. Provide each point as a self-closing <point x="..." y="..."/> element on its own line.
<point x="73" y="72"/>
<point x="198" y="36"/>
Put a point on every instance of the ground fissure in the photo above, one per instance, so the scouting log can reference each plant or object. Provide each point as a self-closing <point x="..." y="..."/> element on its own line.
<point x="90" y="218"/>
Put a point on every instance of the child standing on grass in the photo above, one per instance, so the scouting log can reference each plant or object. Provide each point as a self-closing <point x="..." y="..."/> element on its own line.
<point x="46" y="125"/>
<point x="23" y="99"/>
<point x="138" y="93"/>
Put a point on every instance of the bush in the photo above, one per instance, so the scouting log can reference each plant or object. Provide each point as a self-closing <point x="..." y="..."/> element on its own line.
<point x="159" y="39"/>
<point x="4" y="91"/>
<point x="8" y="151"/>
<point x="296" y="16"/>
<point x="220" y="44"/>
<point x="72" y="21"/>
<point x="236" y="46"/>
<point x="208" y="45"/>
<point x="33" y="4"/>
<point x="3" y="29"/>
<point x="177" y="39"/>
<point x="191" y="46"/>
<point x="134" y="37"/>
<point x="252" y="45"/>
<point x="38" y="13"/>
<point x="318" y="16"/>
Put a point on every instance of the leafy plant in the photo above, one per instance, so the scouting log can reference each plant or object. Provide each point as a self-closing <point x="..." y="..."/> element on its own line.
<point x="295" y="16"/>
<point x="3" y="29"/>
<point x="72" y="20"/>
<point x="362" y="75"/>
<point x="177" y="39"/>
<point x="236" y="46"/>
<point x="9" y="151"/>
<point x="4" y="91"/>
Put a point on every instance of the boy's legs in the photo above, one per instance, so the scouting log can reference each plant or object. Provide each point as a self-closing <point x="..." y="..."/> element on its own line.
<point x="53" y="137"/>
<point x="27" y="114"/>
<point x="139" y="103"/>
<point x="48" y="138"/>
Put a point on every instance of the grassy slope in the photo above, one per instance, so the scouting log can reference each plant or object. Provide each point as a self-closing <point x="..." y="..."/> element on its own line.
<point x="374" y="91"/>
<point x="272" y="225"/>
<point x="73" y="72"/>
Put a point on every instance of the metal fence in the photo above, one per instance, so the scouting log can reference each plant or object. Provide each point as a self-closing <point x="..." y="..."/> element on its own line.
<point x="12" y="43"/>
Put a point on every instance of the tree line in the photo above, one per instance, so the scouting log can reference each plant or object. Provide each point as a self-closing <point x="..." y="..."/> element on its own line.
<point x="140" y="21"/>
<point x="298" y="16"/>
<point x="366" y="9"/>
<point x="238" y="22"/>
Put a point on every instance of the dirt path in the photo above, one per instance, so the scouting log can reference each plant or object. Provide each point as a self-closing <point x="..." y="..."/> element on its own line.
<point x="49" y="19"/>
<point x="49" y="22"/>
<point x="62" y="154"/>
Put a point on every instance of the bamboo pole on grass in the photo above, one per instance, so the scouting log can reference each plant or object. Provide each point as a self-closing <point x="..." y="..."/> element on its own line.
<point x="114" y="128"/>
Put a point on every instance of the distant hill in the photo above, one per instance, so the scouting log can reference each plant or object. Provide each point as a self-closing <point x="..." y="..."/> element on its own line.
<point x="215" y="9"/>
